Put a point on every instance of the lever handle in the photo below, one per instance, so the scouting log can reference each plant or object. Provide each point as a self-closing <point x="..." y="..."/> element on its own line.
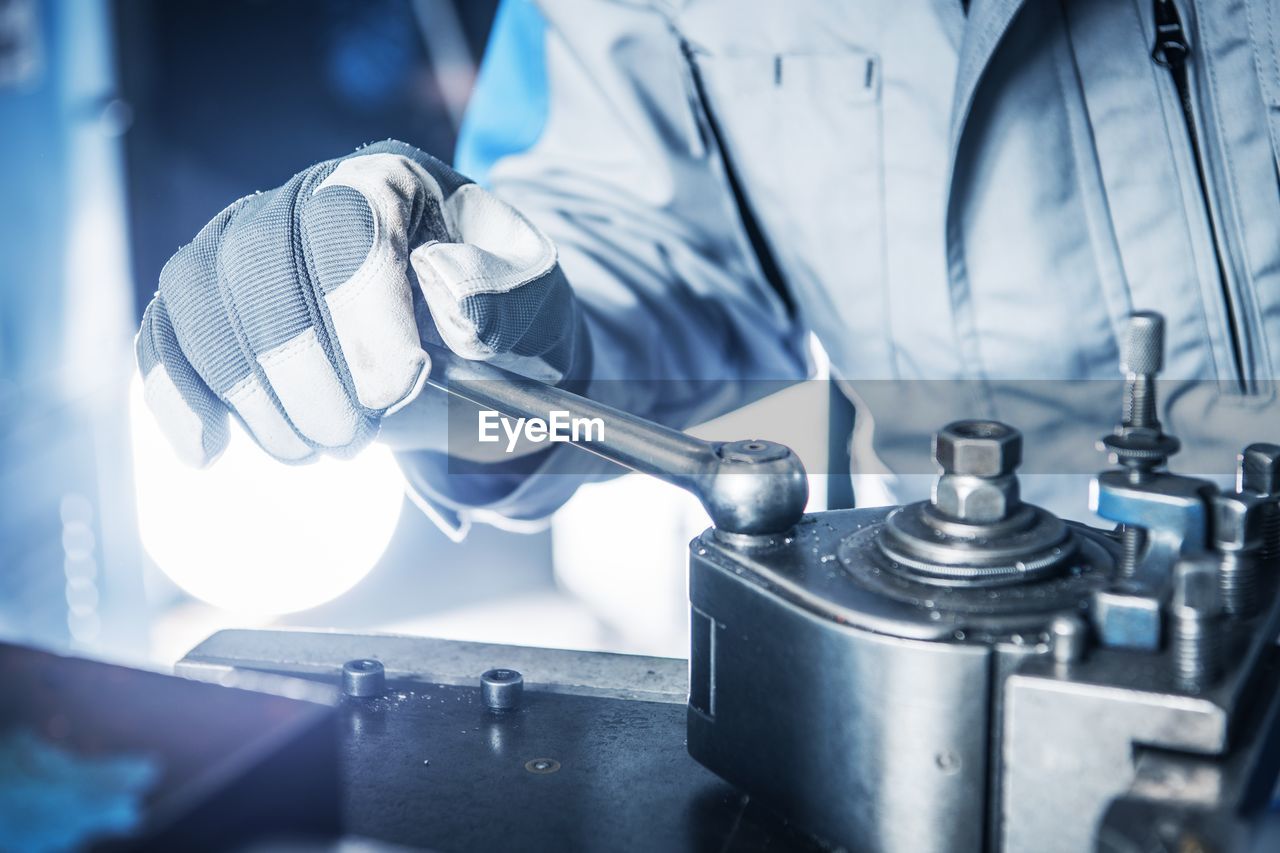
<point x="750" y="487"/>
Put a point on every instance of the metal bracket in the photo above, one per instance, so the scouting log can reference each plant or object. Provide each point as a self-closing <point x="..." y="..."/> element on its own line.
<point x="1173" y="509"/>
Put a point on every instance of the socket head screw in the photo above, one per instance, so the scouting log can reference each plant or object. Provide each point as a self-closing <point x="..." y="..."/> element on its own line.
<point x="501" y="689"/>
<point x="364" y="678"/>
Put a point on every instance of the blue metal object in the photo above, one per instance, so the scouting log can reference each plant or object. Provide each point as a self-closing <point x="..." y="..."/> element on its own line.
<point x="509" y="107"/>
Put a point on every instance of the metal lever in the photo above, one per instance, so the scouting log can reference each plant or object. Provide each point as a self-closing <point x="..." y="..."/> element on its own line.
<point x="752" y="487"/>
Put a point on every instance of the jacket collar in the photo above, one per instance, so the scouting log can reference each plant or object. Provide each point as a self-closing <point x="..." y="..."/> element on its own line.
<point x="988" y="21"/>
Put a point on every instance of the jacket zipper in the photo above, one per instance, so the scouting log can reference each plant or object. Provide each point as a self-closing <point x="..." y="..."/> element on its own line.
<point x="1171" y="51"/>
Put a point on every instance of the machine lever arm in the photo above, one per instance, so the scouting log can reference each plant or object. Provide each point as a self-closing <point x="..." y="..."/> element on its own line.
<point x="750" y="487"/>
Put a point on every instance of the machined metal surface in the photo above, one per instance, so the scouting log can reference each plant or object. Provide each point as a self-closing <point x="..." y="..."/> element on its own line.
<point x="1172" y="509"/>
<point x="1068" y="751"/>
<point x="1028" y="544"/>
<point x="592" y="758"/>
<point x="232" y="654"/>
<point x="976" y="531"/>
<point x="1104" y="675"/>
<point x="871" y="737"/>
<point x="880" y="658"/>
<point x="1073" y="746"/>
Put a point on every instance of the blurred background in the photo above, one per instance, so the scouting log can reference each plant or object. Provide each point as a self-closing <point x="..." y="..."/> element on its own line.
<point x="125" y="125"/>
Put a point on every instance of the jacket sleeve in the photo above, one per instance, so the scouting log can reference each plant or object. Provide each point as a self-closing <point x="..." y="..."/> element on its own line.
<point x="588" y="121"/>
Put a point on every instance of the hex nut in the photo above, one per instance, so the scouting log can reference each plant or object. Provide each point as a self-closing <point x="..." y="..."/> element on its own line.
<point x="976" y="500"/>
<point x="978" y="448"/>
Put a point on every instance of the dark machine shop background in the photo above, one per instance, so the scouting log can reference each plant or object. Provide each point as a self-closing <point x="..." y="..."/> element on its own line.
<point x="116" y="144"/>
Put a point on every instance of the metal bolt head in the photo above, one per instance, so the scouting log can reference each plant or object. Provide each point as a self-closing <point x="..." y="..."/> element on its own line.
<point x="1195" y="610"/>
<point x="753" y="451"/>
<point x="1068" y="638"/>
<point x="542" y="766"/>
<point x="1239" y="521"/>
<point x="1142" y="351"/>
<point x="1124" y="620"/>
<point x="1259" y="469"/>
<point x="363" y="678"/>
<point x="501" y="689"/>
<point x="1196" y="592"/>
<point x="976" y="500"/>
<point x="978" y="448"/>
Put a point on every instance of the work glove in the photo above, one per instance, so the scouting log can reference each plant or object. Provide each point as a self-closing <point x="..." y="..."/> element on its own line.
<point x="303" y="311"/>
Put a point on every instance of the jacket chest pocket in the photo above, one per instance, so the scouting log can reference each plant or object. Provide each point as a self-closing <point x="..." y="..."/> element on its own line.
<point x="802" y="133"/>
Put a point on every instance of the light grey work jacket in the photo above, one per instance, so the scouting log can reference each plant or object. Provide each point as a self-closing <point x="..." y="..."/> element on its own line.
<point x="963" y="206"/>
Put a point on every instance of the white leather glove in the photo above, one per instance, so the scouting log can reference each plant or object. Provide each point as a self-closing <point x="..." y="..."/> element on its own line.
<point x="303" y="310"/>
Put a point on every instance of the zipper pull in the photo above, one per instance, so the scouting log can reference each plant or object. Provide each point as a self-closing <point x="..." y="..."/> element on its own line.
<point x="1171" y="47"/>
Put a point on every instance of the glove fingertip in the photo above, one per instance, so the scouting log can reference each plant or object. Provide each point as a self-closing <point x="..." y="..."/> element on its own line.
<point x="198" y="438"/>
<point x="423" y="372"/>
<point x="192" y="419"/>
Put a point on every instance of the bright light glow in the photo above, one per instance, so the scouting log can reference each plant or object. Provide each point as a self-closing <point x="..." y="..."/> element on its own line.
<point x="254" y="536"/>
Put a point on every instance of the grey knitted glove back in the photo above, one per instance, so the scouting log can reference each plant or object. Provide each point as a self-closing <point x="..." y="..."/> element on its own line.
<point x="294" y="309"/>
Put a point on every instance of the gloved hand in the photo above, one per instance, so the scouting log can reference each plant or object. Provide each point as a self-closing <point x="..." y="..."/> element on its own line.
<point x="294" y="309"/>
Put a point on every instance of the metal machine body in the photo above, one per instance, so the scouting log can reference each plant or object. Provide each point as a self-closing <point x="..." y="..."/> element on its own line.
<point x="970" y="672"/>
<point x="918" y="720"/>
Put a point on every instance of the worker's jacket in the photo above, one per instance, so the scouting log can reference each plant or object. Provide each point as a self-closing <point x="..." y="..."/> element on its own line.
<point x="977" y="197"/>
